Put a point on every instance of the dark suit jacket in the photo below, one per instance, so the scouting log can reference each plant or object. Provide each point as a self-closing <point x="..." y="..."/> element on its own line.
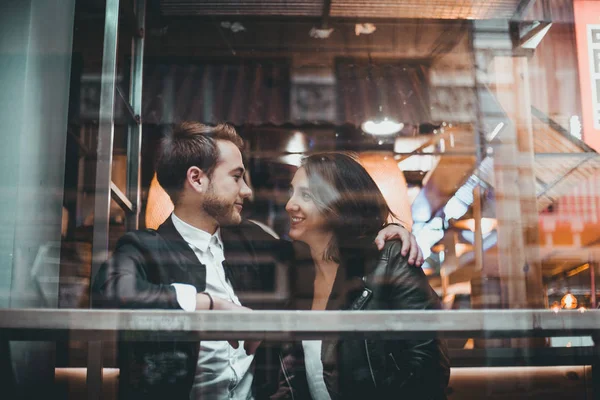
<point x="139" y="276"/>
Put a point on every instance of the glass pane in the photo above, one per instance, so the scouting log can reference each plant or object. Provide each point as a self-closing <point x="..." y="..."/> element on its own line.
<point x="473" y="124"/>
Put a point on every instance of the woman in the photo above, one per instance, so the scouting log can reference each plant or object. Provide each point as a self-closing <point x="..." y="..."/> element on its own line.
<point x="335" y="210"/>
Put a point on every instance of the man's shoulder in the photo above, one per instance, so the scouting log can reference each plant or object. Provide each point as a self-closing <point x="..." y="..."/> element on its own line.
<point x="140" y="238"/>
<point x="142" y="234"/>
<point x="261" y="239"/>
<point x="251" y="231"/>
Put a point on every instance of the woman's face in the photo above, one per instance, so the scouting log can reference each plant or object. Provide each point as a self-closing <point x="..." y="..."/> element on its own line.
<point x="307" y="223"/>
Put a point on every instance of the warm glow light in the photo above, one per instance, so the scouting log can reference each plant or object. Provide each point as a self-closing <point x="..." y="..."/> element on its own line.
<point x="438" y="247"/>
<point x="416" y="162"/>
<point x="462" y="248"/>
<point x="159" y="205"/>
<point x="555" y="307"/>
<point x="291" y="159"/>
<point x="459" y="248"/>
<point x="487" y="224"/>
<point x="382" y="128"/>
<point x="390" y="180"/>
<point x="569" y="301"/>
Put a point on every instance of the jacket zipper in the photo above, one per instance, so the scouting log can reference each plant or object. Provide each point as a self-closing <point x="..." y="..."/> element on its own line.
<point x="287" y="379"/>
<point x="368" y="295"/>
<point x="369" y="361"/>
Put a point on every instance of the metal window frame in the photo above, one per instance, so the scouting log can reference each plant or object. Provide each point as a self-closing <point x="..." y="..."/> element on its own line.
<point x="105" y="187"/>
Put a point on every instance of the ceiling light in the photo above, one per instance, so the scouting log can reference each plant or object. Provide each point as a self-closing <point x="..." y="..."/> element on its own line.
<point x="297" y="143"/>
<point x="235" y="27"/>
<point x="317" y="33"/>
<point x="365" y="29"/>
<point x="382" y="128"/>
<point x="569" y="301"/>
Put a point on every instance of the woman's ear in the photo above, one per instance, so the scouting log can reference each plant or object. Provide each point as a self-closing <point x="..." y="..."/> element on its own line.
<point x="196" y="179"/>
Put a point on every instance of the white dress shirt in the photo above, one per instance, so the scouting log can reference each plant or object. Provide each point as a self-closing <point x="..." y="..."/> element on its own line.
<point x="222" y="372"/>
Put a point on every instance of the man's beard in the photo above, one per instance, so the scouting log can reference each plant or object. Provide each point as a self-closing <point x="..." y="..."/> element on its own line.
<point x="223" y="212"/>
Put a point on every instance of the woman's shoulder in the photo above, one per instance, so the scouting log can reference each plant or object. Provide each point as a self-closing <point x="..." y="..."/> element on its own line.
<point x="394" y="263"/>
<point x="366" y="249"/>
<point x="391" y="249"/>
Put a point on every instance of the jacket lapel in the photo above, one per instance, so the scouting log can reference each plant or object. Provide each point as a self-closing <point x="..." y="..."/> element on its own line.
<point x="174" y="239"/>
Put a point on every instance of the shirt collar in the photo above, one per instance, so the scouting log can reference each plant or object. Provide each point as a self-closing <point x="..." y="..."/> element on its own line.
<point x="194" y="236"/>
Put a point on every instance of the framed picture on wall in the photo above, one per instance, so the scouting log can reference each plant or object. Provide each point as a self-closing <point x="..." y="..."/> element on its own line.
<point x="313" y="98"/>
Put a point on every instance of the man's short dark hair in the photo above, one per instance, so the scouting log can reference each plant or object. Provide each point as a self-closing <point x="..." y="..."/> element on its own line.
<point x="190" y="144"/>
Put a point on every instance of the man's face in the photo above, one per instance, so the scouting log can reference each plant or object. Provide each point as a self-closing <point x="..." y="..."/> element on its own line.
<point x="227" y="189"/>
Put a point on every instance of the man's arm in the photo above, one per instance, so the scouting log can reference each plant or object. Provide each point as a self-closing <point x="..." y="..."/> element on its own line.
<point x="123" y="282"/>
<point x="204" y="301"/>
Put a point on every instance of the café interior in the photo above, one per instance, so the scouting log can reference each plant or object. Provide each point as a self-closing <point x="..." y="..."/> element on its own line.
<point x="479" y="121"/>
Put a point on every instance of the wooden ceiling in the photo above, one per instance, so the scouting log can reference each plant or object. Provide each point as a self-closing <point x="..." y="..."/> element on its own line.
<point x="422" y="9"/>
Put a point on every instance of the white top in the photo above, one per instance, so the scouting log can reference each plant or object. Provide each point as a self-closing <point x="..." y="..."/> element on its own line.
<point x="314" y="369"/>
<point x="222" y="372"/>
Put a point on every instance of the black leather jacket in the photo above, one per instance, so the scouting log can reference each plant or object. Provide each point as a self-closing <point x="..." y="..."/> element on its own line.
<point x="377" y="369"/>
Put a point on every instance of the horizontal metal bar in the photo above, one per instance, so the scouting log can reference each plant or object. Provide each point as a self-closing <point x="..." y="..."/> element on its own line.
<point x="400" y="156"/>
<point x="122" y="200"/>
<point x="524" y="356"/>
<point x="157" y="325"/>
<point x="582" y="155"/>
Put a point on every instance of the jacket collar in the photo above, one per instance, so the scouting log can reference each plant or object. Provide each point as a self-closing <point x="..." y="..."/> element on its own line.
<point x="168" y="231"/>
<point x="194" y="236"/>
<point x="358" y="260"/>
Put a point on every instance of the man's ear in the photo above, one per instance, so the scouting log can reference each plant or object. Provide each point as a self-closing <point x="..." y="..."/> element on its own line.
<point x="197" y="179"/>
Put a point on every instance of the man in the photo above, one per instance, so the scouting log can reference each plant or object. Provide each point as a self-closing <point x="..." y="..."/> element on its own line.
<point x="196" y="260"/>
